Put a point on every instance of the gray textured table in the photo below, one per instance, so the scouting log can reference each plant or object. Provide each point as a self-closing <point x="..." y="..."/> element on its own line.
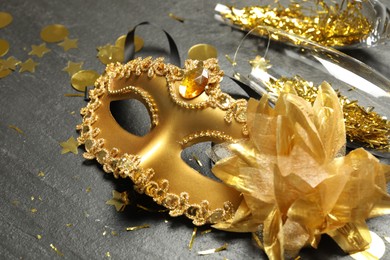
<point x="69" y="199"/>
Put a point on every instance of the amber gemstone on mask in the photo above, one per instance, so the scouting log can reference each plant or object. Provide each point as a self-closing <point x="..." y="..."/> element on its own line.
<point x="194" y="82"/>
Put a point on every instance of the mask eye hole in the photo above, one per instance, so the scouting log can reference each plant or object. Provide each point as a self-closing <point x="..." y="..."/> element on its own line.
<point x="131" y="115"/>
<point x="196" y="157"/>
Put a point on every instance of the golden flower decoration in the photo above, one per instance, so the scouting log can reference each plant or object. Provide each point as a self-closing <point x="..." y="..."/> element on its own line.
<point x="296" y="182"/>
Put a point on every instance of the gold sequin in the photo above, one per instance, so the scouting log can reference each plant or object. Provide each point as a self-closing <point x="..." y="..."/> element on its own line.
<point x="202" y="52"/>
<point x="54" y="33"/>
<point x="4" y="47"/>
<point x="5" y="19"/>
<point x="83" y="78"/>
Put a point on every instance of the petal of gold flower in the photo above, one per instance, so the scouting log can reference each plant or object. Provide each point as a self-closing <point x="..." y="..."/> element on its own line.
<point x="68" y="44"/>
<point x="5" y="19"/>
<point x="29" y="65"/>
<point x="69" y="145"/>
<point x="4" y="47"/>
<point x="119" y="199"/>
<point x="73" y="67"/>
<point x="39" y="50"/>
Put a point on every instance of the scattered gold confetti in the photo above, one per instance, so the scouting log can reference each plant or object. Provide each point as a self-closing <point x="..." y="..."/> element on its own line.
<point x="137" y="227"/>
<point x="119" y="199"/>
<point x="191" y="243"/>
<point x="73" y="112"/>
<point x="39" y="198"/>
<point x="73" y="95"/>
<point x="56" y="250"/>
<point x="110" y="53"/>
<point x="41" y="174"/>
<point x="108" y="254"/>
<point x="213" y="250"/>
<point x="69" y="145"/>
<point x="29" y="65"/>
<point x="39" y="50"/>
<point x="376" y="249"/>
<point x="328" y="24"/>
<point x="32" y="198"/>
<point x="88" y="189"/>
<point x="4" y="73"/>
<point x="4" y="47"/>
<point x="9" y="63"/>
<point x="206" y="231"/>
<point x="73" y="67"/>
<point x="69" y="225"/>
<point x="104" y="232"/>
<point x="34" y="210"/>
<point x="39" y="237"/>
<point x="68" y="44"/>
<point x="17" y="129"/>
<point x="114" y="233"/>
<point x="84" y="78"/>
<point x="177" y="18"/>
<point x="202" y="52"/>
<point x="138" y="42"/>
<point x="54" y="33"/>
<point x="5" y="19"/>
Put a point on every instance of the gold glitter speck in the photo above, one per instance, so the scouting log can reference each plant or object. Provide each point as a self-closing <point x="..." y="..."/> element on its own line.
<point x="56" y="250"/>
<point x="17" y="129"/>
<point x="137" y="227"/>
<point x="34" y="210"/>
<point x="41" y="174"/>
<point x="39" y="237"/>
<point x="213" y="250"/>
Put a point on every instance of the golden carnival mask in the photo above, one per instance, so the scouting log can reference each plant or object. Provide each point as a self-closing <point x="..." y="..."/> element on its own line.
<point x="186" y="106"/>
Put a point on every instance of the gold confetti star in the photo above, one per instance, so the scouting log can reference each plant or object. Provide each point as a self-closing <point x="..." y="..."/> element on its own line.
<point x="68" y="44"/>
<point x="9" y="63"/>
<point x="119" y="199"/>
<point x="260" y="63"/>
<point x="69" y="145"/>
<point x="29" y="65"/>
<point x="39" y="50"/>
<point x="73" y="67"/>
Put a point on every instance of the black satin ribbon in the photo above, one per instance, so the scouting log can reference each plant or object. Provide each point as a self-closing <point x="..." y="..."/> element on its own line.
<point x="130" y="46"/>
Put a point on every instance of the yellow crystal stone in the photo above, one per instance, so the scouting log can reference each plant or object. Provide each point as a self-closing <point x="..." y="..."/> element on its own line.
<point x="194" y="82"/>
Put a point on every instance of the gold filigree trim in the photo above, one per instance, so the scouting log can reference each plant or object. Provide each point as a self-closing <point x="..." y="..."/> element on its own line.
<point x="127" y="165"/>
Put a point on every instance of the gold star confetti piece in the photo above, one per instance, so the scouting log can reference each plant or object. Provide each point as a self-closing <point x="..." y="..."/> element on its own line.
<point x="10" y="63"/>
<point x="259" y="63"/>
<point x="202" y="51"/>
<point x="68" y="44"/>
<point x="213" y="250"/>
<point x="119" y="199"/>
<point x="137" y="227"/>
<point x="39" y="50"/>
<point x="4" y="47"/>
<point x="29" y="65"/>
<point x="54" y="33"/>
<point x="56" y="250"/>
<point x="4" y="73"/>
<point x="69" y="145"/>
<point x="73" y="67"/>
<point x="39" y="237"/>
<point x="191" y="243"/>
<point x="5" y="19"/>
<point x="17" y="129"/>
<point x="84" y="78"/>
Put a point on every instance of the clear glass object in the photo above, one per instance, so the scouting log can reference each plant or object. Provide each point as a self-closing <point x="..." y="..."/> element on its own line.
<point x="315" y="63"/>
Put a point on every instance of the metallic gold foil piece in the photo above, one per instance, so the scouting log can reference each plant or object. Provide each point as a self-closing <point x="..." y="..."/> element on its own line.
<point x="68" y="44"/>
<point x="56" y="250"/>
<point x="39" y="50"/>
<point x="137" y="227"/>
<point x="73" y="67"/>
<point x="328" y="23"/>
<point x="213" y="250"/>
<point x="84" y="78"/>
<point x="119" y="199"/>
<point x="4" y="47"/>
<point x="151" y="210"/>
<point x="295" y="184"/>
<point x="202" y="52"/>
<point x="28" y="66"/>
<point x="193" y="235"/>
<point x="177" y="18"/>
<point x="17" y="129"/>
<point x="69" y="145"/>
<point x="39" y="237"/>
<point x="5" y="19"/>
<point x="41" y="174"/>
<point x="54" y="33"/>
<point x="34" y="210"/>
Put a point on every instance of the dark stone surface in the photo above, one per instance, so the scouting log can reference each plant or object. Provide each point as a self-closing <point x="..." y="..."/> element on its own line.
<point x="36" y="104"/>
